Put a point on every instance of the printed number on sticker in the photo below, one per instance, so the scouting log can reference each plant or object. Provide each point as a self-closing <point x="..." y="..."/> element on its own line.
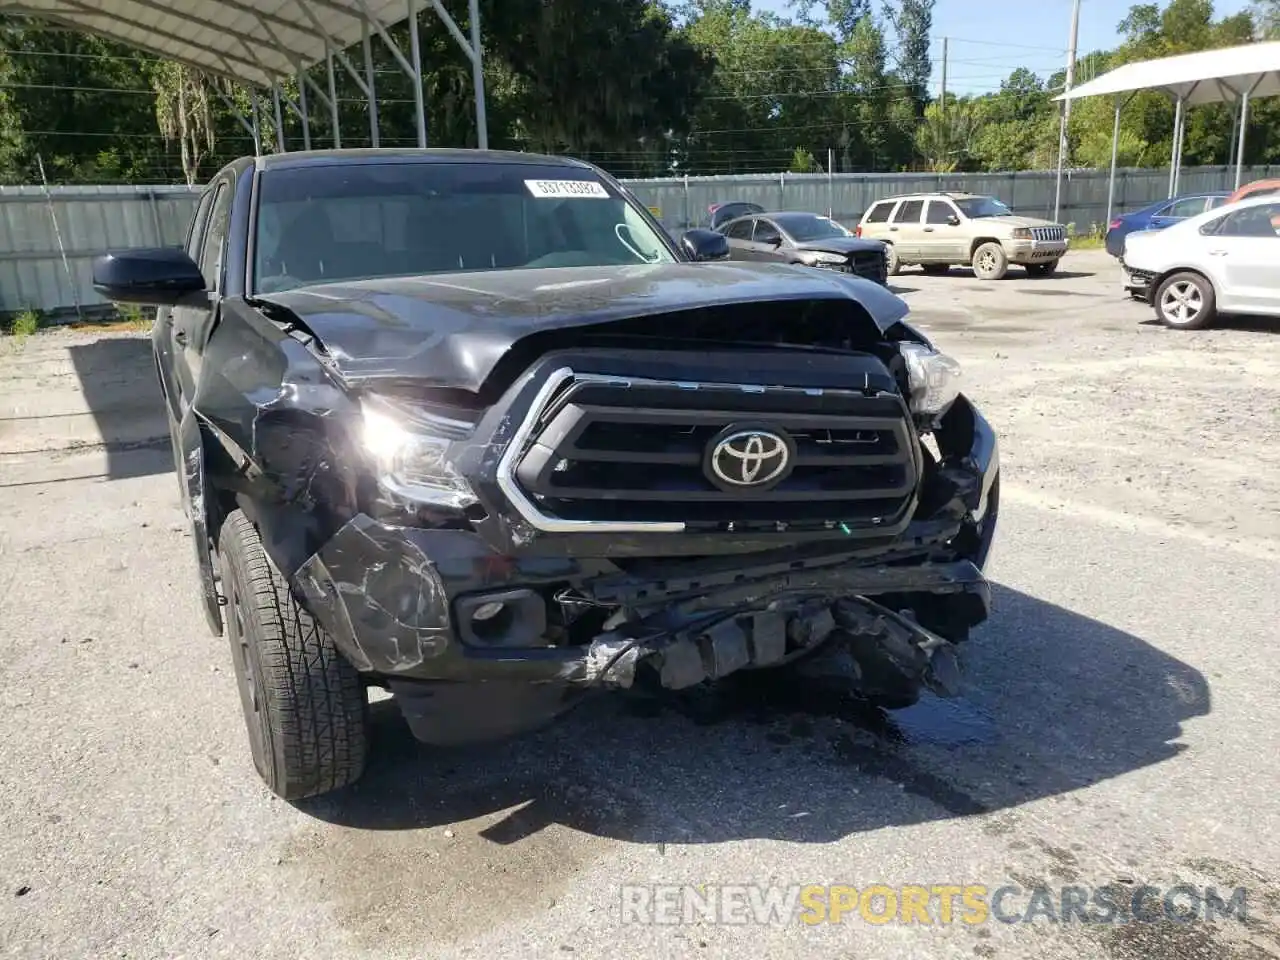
<point x="566" y="188"/>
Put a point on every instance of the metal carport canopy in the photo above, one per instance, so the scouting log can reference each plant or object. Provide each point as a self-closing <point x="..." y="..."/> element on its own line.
<point x="1227" y="75"/>
<point x="260" y="42"/>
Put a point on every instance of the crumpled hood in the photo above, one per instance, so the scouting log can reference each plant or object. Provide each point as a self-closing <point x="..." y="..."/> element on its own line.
<point x="451" y="329"/>
<point x="842" y="245"/>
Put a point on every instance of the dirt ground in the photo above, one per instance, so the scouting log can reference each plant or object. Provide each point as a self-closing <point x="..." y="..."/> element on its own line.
<point x="1119" y="726"/>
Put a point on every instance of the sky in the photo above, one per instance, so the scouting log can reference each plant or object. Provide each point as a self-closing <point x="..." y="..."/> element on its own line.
<point x="1007" y="34"/>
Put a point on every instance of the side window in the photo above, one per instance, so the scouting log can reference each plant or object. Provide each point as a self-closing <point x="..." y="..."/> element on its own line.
<point x="195" y="232"/>
<point x="880" y="212"/>
<point x="1259" y="221"/>
<point x="909" y="212"/>
<point x="1184" y="208"/>
<point x="939" y="211"/>
<point x="215" y="237"/>
<point x="1215" y="203"/>
<point x="766" y="232"/>
<point x="740" y="230"/>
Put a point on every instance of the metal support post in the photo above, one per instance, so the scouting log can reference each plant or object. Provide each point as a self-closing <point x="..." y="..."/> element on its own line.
<point x="477" y="77"/>
<point x="275" y="103"/>
<point x="1177" y="135"/>
<point x="257" y="123"/>
<point x="303" y="113"/>
<point x="333" y="97"/>
<point x="415" y="57"/>
<point x="371" y="91"/>
<point x="1244" y="125"/>
<point x="1115" y="154"/>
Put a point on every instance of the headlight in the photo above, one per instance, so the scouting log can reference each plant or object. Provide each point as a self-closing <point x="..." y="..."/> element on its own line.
<point x="934" y="378"/>
<point x="1022" y="233"/>
<point x="411" y="455"/>
<point x="816" y="258"/>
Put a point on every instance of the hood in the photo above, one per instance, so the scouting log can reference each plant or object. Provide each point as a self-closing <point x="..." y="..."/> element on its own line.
<point x="1013" y="220"/>
<point x="842" y="245"/>
<point x="451" y="330"/>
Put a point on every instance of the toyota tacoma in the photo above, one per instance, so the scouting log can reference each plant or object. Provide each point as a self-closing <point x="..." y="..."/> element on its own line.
<point x="473" y="428"/>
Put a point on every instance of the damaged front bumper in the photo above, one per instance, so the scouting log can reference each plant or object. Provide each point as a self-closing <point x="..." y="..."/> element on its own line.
<point x="431" y="613"/>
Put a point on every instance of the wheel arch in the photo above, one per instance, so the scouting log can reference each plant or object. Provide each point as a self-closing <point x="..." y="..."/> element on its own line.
<point x="979" y="241"/>
<point x="1164" y="275"/>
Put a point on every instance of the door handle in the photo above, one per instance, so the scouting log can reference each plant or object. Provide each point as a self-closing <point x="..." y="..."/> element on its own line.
<point x="1217" y="253"/>
<point x="928" y="229"/>
<point x="893" y="229"/>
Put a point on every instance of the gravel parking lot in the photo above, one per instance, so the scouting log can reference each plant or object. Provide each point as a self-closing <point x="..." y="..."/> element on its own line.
<point x="1120" y="727"/>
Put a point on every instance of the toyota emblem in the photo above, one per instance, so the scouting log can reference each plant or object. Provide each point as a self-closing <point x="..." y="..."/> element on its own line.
<point x="749" y="459"/>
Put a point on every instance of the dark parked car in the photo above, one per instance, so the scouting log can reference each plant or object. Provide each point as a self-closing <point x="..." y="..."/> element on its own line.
<point x="1160" y="215"/>
<point x="808" y="239"/>
<point x="718" y="214"/>
<point x="470" y="427"/>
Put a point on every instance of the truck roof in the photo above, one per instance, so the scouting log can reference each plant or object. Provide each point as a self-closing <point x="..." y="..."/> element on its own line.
<point x="319" y="158"/>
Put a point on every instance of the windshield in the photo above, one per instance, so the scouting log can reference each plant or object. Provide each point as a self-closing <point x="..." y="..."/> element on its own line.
<point x="974" y="207"/>
<point x="803" y="227"/>
<point x="362" y="221"/>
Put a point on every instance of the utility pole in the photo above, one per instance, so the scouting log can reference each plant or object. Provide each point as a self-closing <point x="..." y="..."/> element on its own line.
<point x="944" y="83"/>
<point x="1066" y="105"/>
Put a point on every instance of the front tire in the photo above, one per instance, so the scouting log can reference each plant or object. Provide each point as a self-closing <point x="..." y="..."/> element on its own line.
<point x="304" y="705"/>
<point x="990" y="262"/>
<point x="1185" y="301"/>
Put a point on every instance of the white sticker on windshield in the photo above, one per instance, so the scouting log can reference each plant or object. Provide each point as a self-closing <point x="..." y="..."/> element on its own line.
<point x="567" y="188"/>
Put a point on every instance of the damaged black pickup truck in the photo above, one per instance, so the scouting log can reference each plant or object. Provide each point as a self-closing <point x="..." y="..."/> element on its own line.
<point x="472" y="427"/>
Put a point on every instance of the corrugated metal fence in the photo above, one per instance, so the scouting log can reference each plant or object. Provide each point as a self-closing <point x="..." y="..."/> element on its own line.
<point x="684" y="203"/>
<point x="48" y="239"/>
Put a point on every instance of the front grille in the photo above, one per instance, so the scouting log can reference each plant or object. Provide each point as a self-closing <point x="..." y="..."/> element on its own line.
<point x="1051" y="234"/>
<point x="872" y="266"/>
<point x="638" y="451"/>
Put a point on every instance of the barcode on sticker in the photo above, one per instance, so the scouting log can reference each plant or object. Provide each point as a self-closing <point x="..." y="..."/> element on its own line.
<point x="567" y="188"/>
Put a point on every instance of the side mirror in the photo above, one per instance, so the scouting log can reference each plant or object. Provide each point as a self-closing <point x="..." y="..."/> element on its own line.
<point x="700" y="244"/>
<point x="953" y="220"/>
<point x="161" y="276"/>
<point x="774" y="241"/>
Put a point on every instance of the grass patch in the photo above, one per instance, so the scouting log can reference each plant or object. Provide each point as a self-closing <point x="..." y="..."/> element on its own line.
<point x="25" y="323"/>
<point x="1087" y="243"/>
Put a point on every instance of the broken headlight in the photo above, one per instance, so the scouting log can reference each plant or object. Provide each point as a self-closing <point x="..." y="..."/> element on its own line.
<point x="933" y="377"/>
<point x="817" y="258"/>
<point x="411" y="451"/>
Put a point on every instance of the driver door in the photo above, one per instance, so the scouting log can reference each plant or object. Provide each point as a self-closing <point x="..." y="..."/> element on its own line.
<point x="1245" y="251"/>
<point x="191" y="325"/>
<point x="942" y="239"/>
<point x="768" y="243"/>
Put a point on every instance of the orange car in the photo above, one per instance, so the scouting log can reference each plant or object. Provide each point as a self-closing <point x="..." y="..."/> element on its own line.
<point x="1255" y="189"/>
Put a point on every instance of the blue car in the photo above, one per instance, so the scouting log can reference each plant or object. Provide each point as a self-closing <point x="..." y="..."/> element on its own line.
<point x="1159" y="215"/>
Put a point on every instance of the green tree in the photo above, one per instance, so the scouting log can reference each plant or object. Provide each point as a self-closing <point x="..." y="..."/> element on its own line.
<point x="912" y="21"/>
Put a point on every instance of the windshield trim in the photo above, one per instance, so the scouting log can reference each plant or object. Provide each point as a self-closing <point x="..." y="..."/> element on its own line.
<point x="251" y="291"/>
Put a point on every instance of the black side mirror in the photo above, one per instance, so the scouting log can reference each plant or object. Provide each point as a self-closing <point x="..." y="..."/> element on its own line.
<point x="953" y="220"/>
<point x="161" y="276"/>
<point x="699" y="244"/>
<point x="774" y="241"/>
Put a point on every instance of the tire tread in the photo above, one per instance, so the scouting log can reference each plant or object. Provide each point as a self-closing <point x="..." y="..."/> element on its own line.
<point x="316" y="737"/>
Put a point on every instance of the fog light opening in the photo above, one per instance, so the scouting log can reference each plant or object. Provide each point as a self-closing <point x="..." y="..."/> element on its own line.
<point x="487" y="611"/>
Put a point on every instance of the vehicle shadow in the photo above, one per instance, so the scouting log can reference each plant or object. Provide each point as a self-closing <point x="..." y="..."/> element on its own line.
<point x="1015" y="273"/>
<point x="1058" y="702"/>
<point x="116" y="375"/>
<point x="1237" y="322"/>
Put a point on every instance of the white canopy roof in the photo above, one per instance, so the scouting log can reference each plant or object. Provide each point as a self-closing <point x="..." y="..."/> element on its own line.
<point x="257" y="41"/>
<point x="1210" y="76"/>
